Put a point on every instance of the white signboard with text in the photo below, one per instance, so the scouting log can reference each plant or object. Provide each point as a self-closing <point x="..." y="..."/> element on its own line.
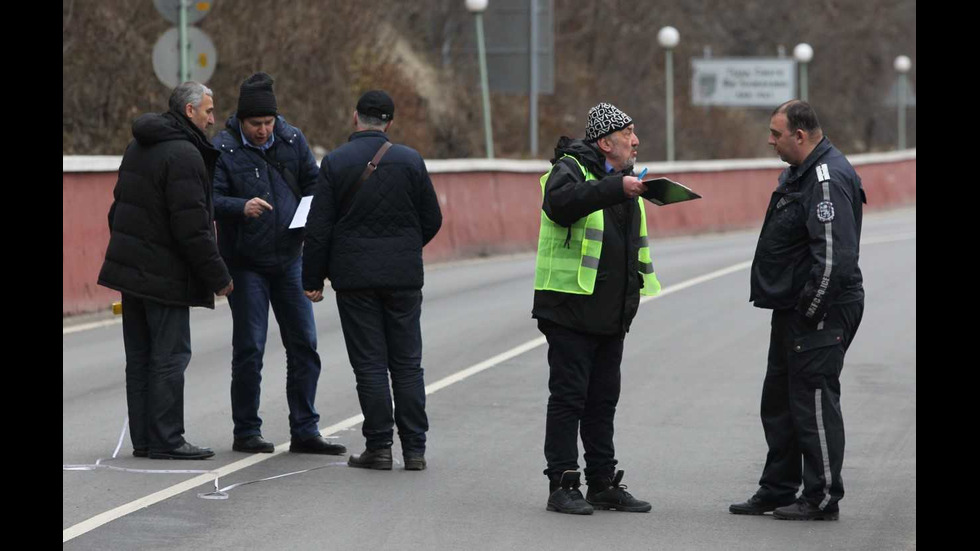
<point x="743" y="82"/>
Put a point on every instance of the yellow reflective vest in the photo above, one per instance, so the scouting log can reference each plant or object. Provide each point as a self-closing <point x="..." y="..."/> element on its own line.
<point x="569" y="264"/>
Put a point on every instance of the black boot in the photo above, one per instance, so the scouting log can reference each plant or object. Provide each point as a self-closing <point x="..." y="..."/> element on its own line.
<point x="372" y="459"/>
<point x="565" y="495"/>
<point x="606" y="494"/>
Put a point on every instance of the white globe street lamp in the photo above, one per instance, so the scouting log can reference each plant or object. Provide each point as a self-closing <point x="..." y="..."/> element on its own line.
<point x="902" y="65"/>
<point x="669" y="38"/>
<point x="477" y="7"/>
<point x="803" y="53"/>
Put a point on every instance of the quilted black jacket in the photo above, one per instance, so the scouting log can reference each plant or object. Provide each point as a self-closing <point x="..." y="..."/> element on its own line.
<point x="245" y="172"/>
<point x="378" y="243"/>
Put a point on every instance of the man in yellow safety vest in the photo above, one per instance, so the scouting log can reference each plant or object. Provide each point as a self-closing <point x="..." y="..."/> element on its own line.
<point x="592" y="266"/>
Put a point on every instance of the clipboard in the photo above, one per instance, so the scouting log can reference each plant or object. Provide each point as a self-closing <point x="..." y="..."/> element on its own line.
<point x="663" y="191"/>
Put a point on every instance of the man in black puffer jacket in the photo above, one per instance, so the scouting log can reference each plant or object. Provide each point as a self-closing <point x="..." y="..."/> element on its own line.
<point x="163" y="257"/>
<point x="265" y="168"/>
<point x="367" y="237"/>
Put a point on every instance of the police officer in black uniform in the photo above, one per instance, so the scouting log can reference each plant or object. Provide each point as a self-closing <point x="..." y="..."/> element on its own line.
<point x="806" y="271"/>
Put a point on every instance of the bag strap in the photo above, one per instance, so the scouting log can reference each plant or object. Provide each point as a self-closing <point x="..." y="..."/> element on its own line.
<point x="368" y="170"/>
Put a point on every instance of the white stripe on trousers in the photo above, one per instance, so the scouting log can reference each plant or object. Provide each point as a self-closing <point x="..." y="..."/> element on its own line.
<point x="822" y="434"/>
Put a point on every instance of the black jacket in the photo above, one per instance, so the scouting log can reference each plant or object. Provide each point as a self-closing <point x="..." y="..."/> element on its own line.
<point x="610" y="309"/>
<point x="378" y="243"/>
<point x="161" y="245"/>
<point x="807" y="255"/>
<point x="280" y="176"/>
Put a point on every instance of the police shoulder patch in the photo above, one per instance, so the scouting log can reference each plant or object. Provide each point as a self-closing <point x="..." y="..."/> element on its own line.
<point x="825" y="211"/>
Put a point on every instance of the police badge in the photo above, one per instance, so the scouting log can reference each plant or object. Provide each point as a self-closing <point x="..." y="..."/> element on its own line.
<point x="825" y="211"/>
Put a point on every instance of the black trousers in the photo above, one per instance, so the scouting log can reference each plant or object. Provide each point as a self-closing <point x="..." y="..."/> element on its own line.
<point x="584" y="384"/>
<point x="158" y="348"/>
<point x="801" y="411"/>
<point x="383" y="335"/>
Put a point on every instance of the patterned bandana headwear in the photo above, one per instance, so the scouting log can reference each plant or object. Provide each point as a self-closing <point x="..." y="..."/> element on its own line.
<point x="604" y="119"/>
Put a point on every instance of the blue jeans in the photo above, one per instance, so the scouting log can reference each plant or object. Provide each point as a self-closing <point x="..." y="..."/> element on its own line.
<point x="254" y="291"/>
<point x="383" y="336"/>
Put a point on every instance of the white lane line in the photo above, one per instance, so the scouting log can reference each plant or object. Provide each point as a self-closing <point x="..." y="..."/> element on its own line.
<point x="123" y="510"/>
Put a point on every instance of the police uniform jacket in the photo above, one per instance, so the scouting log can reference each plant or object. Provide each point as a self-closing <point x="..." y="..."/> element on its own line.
<point x="807" y="254"/>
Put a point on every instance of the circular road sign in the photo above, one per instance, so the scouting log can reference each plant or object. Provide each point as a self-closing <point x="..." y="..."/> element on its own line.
<point x="170" y="10"/>
<point x="166" y="60"/>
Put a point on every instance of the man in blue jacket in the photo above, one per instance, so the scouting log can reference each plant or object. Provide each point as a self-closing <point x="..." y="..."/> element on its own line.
<point x="365" y="232"/>
<point x="265" y="168"/>
<point x="806" y="271"/>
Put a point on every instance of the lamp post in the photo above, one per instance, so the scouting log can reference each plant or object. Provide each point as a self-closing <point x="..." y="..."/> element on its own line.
<point x="477" y="7"/>
<point x="803" y="53"/>
<point x="902" y="65"/>
<point x="669" y="38"/>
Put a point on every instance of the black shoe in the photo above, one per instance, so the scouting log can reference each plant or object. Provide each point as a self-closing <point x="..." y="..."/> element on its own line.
<point x="801" y="510"/>
<point x="316" y="444"/>
<point x="609" y="495"/>
<point x="757" y="506"/>
<point x="414" y="461"/>
<point x="141" y="452"/>
<point x="375" y="459"/>
<point x="253" y="444"/>
<point x="185" y="451"/>
<point x="567" y="498"/>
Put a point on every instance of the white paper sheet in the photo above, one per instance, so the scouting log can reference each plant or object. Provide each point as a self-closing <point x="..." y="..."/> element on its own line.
<point x="302" y="211"/>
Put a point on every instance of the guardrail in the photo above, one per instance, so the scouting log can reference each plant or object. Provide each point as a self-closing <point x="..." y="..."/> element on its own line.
<point x="489" y="206"/>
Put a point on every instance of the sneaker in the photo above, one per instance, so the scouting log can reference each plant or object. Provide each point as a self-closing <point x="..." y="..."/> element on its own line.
<point x="609" y="495"/>
<point x="802" y="510"/>
<point x="567" y="498"/>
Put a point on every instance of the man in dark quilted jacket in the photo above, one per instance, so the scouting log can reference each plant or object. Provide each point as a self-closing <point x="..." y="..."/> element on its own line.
<point x="373" y="210"/>
<point x="265" y="169"/>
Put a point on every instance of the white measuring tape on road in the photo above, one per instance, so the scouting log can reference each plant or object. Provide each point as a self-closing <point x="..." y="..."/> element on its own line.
<point x="99" y="465"/>
<point x="218" y="493"/>
<point x="222" y="493"/>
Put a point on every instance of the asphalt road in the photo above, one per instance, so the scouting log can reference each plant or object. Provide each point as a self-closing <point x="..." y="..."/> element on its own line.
<point x="688" y="433"/>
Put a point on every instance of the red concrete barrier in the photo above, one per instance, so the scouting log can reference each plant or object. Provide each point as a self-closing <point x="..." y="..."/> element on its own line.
<point x="489" y="207"/>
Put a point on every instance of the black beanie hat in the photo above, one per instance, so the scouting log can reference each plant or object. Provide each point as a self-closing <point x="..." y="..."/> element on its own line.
<point x="255" y="98"/>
